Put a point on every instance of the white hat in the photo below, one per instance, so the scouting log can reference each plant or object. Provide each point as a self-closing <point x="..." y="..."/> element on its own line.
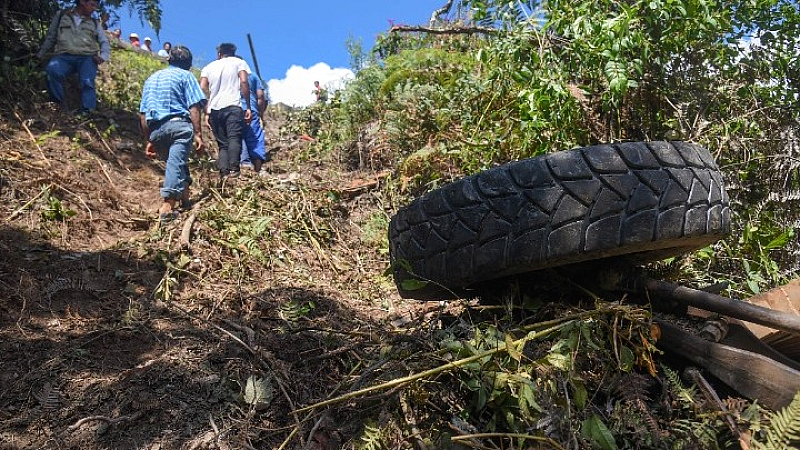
<point x="147" y="39"/>
<point x="134" y="35"/>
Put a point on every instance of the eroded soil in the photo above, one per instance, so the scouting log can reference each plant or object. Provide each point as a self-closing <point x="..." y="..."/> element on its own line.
<point x="95" y="354"/>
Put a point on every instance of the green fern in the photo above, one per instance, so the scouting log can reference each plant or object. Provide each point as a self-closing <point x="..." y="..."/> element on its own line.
<point x="697" y="432"/>
<point x="685" y="395"/>
<point x="372" y="439"/>
<point x="784" y="428"/>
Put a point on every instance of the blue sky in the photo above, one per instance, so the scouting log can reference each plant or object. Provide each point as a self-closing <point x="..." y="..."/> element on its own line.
<point x="295" y="42"/>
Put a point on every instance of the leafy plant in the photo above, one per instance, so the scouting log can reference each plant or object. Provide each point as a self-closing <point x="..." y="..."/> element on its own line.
<point x="54" y="209"/>
<point x="371" y="438"/>
<point x="294" y="310"/>
<point x="121" y="87"/>
<point x="784" y="427"/>
<point x="375" y="231"/>
<point x="166" y="287"/>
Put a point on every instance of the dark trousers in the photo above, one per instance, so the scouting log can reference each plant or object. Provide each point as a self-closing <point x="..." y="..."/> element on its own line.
<point x="227" y="125"/>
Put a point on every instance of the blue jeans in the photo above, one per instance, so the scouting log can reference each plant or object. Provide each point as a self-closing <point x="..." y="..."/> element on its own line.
<point x="253" y="142"/>
<point x="61" y="66"/>
<point x="173" y="142"/>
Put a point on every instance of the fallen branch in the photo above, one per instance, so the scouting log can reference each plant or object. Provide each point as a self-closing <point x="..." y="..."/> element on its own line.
<point x="33" y="139"/>
<point x="28" y="203"/>
<point x="186" y="233"/>
<point x="440" y="12"/>
<point x="108" y="420"/>
<point x="91" y="217"/>
<point x="108" y="148"/>
<point x="358" y="186"/>
<point x="435" y="371"/>
<point x="517" y="436"/>
<point x="105" y="172"/>
<point x="459" y="30"/>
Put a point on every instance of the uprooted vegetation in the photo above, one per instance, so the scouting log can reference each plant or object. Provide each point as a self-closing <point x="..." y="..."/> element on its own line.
<point x="269" y="323"/>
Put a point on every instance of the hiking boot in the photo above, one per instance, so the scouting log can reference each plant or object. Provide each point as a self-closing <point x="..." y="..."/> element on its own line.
<point x="228" y="179"/>
<point x="168" y="217"/>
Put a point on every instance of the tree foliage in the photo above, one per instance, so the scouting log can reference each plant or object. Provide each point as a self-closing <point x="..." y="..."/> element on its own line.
<point x="559" y="74"/>
<point x="23" y="23"/>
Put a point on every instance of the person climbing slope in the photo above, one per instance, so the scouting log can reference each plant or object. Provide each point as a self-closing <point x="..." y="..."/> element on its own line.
<point x="254" y="151"/>
<point x="224" y="82"/>
<point x="170" y="115"/>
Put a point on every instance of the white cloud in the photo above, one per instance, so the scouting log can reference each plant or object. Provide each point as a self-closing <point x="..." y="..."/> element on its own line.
<point x="296" y="89"/>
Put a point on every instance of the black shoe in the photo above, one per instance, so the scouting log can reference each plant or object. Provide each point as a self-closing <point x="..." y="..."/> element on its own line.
<point x="165" y="218"/>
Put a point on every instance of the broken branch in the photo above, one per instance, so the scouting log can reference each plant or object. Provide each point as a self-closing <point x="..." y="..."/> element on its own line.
<point x="459" y="30"/>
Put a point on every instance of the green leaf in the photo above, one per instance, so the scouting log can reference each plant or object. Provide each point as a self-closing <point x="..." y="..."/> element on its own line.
<point x="412" y="284"/>
<point x="527" y="400"/>
<point x="483" y="397"/>
<point x="580" y="394"/>
<point x="753" y="285"/>
<point x="626" y="358"/>
<point x="594" y="430"/>
<point x="778" y="242"/>
<point x="512" y="349"/>
<point x="559" y="361"/>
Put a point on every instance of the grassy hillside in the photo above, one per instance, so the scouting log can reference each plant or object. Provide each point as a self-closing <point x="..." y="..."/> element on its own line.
<point x="263" y="318"/>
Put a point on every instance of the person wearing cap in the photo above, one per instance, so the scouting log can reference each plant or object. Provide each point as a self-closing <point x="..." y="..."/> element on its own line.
<point x="148" y="44"/>
<point x="134" y="38"/>
<point x="224" y="82"/>
<point x="79" y="44"/>
<point x="169" y="113"/>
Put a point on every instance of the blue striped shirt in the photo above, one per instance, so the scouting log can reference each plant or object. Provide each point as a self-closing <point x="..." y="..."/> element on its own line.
<point x="170" y="92"/>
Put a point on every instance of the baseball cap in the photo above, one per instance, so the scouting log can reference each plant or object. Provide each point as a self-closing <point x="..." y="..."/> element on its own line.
<point x="147" y="38"/>
<point x="134" y="35"/>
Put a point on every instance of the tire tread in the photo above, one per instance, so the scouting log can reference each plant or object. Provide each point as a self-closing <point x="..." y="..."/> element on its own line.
<point x="564" y="207"/>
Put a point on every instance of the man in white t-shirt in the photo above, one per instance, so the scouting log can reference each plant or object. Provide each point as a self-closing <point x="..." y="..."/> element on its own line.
<point x="225" y="82"/>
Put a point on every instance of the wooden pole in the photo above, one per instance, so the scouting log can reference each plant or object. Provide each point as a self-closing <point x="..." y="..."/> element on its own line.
<point x="253" y="54"/>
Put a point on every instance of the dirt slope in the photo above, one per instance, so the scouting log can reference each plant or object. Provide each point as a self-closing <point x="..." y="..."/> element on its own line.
<point x="111" y="337"/>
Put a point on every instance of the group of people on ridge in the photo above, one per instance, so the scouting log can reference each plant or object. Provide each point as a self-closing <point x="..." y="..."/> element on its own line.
<point x="147" y="45"/>
<point x="172" y="104"/>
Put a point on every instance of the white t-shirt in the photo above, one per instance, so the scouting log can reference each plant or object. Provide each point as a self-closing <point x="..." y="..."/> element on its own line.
<point x="223" y="81"/>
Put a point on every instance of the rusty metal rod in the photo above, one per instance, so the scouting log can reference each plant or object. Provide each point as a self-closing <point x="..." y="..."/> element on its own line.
<point x="749" y="312"/>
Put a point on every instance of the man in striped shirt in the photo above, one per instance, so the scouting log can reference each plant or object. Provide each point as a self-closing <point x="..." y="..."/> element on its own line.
<point x="170" y="111"/>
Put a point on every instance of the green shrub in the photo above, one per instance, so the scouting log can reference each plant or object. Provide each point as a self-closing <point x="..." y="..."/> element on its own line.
<point x="120" y="82"/>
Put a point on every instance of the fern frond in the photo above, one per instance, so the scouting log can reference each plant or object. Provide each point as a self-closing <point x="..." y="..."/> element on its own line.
<point x="685" y="395"/>
<point x="736" y="406"/>
<point x="49" y="397"/>
<point x="632" y="388"/>
<point x="784" y="427"/>
<point x="700" y="433"/>
<point x="372" y="438"/>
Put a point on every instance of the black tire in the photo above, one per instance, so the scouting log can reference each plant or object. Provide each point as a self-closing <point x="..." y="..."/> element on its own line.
<point x="649" y="199"/>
